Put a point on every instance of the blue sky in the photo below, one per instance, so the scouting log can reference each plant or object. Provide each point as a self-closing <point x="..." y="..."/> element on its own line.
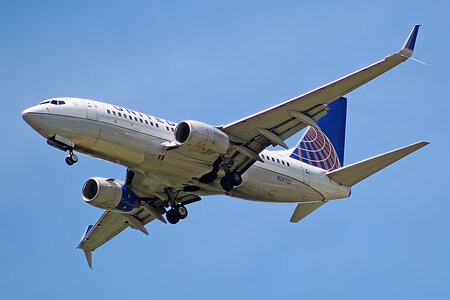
<point x="216" y="63"/>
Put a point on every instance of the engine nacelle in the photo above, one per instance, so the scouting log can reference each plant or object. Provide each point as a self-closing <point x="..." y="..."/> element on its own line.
<point x="201" y="137"/>
<point x="109" y="194"/>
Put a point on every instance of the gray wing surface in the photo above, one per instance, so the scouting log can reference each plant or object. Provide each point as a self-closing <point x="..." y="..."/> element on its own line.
<point x="107" y="227"/>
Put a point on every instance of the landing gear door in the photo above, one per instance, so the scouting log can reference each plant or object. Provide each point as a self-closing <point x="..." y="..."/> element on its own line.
<point x="91" y="111"/>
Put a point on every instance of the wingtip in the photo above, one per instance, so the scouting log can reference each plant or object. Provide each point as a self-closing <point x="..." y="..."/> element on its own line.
<point x="410" y="42"/>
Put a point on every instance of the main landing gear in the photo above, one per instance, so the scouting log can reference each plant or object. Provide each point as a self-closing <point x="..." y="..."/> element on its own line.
<point x="230" y="180"/>
<point x="176" y="213"/>
<point x="71" y="158"/>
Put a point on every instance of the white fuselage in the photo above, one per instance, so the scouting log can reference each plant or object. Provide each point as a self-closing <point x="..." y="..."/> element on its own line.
<point x="135" y="140"/>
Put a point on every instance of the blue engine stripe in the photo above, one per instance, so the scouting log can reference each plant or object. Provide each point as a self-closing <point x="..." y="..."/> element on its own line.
<point x="128" y="200"/>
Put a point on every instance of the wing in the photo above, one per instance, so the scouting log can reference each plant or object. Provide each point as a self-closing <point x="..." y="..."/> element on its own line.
<point x="151" y="207"/>
<point x="274" y="125"/>
<point x="108" y="226"/>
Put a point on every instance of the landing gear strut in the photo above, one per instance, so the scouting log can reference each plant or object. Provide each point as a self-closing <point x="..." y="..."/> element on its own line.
<point x="71" y="158"/>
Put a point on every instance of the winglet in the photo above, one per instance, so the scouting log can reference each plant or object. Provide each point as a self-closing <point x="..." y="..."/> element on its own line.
<point x="408" y="47"/>
<point x="88" y="228"/>
<point x="88" y="254"/>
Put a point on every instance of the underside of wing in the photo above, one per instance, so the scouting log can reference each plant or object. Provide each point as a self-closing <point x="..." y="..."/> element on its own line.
<point x="151" y="203"/>
<point x="107" y="227"/>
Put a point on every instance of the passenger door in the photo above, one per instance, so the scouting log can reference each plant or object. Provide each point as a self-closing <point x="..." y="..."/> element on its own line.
<point x="91" y="111"/>
<point x="306" y="175"/>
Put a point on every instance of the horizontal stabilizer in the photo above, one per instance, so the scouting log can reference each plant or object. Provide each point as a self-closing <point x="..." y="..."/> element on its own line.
<point x="304" y="209"/>
<point x="354" y="173"/>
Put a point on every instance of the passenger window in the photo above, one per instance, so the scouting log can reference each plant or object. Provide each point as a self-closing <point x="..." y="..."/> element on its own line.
<point x="119" y="114"/>
<point x="157" y="125"/>
<point x="288" y="164"/>
<point x="114" y="113"/>
<point x="167" y="127"/>
<point x="282" y="162"/>
<point x="135" y="119"/>
<point x="146" y="122"/>
<point x="278" y="161"/>
<point x="130" y="118"/>
<point x="140" y="120"/>
<point x="109" y="112"/>
<point x="151" y="123"/>
<point x="273" y="159"/>
<point x="173" y="130"/>
<point x="262" y="155"/>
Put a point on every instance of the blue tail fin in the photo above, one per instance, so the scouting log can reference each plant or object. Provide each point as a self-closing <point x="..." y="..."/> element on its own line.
<point x="325" y="148"/>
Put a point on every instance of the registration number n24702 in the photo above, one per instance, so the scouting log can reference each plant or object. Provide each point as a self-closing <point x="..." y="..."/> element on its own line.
<point x="284" y="179"/>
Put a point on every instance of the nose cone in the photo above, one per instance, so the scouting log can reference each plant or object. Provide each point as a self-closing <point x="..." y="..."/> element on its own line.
<point x="33" y="116"/>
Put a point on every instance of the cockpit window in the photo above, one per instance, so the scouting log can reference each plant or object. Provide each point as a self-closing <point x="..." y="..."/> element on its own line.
<point x="54" y="102"/>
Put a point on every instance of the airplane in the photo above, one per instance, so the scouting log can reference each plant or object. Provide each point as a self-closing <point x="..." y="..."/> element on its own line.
<point x="170" y="165"/>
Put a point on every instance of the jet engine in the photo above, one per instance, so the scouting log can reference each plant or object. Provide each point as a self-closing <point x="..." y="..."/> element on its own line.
<point x="201" y="137"/>
<point x="109" y="194"/>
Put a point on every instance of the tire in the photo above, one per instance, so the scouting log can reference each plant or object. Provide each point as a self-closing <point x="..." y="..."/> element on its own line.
<point x="73" y="157"/>
<point x="69" y="161"/>
<point x="226" y="184"/>
<point x="181" y="212"/>
<point x="235" y="178"/>
<point x="171" y="217"/>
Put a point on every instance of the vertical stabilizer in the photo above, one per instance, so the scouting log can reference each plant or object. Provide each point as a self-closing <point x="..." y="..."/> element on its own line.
<point x="324" y="147"/>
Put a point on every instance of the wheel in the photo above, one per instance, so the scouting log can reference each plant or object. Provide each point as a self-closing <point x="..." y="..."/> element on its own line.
<point x="171" y="217"/>
<point x="180" y="211"/>
<point x="73" y="157"/>
<point x="235" y="178"/>
<point x="69" y="161"/>
<point x="226" y="184"/>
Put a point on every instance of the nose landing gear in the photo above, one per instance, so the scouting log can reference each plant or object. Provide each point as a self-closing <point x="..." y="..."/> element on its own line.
<point x="65" y="145"/>
<point x="71" y="158"/>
